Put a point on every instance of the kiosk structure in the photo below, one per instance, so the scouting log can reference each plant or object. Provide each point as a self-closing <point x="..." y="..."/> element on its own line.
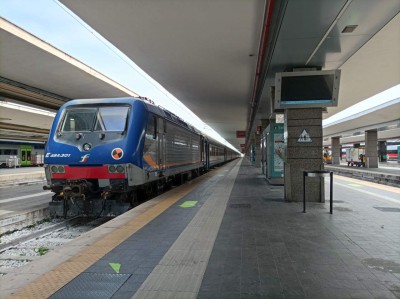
<point x="274" y="153"/>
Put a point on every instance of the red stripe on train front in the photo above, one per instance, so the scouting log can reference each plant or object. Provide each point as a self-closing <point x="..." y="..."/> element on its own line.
<point x="90" y="172"/>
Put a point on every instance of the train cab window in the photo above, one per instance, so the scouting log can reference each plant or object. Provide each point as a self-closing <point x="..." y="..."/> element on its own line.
<point x="111" y="119"/>
<point x="151" y="131"/>
<point x="79" y="120"/>
<point x="162" y="127"/>
<point x="155" y="127"/>
<point x="95" y="119"/>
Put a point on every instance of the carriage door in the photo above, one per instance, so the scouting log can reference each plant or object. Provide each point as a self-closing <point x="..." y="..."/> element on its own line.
<point x="161" y="154"/>
<point x="26" y="152"/>
<point x="207" y="151"/>
<point x="202" y="151"/>
<point x="29" y="155"/>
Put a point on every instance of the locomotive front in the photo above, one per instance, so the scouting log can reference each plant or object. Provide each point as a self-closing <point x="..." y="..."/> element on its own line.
<point x="91" y="147"/>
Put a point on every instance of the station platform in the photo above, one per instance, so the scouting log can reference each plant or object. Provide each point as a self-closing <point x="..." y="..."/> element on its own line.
<point x="21" y="175"/>
<point x="388" y="173"/>
<point x="229" y="234"/>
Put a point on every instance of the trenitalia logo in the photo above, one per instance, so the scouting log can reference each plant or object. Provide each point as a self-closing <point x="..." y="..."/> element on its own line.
<point x="84" y="158"/>
<point x="50" y="155"/>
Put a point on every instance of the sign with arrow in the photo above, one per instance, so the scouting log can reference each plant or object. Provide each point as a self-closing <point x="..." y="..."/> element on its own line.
<point x="116" y="266"/>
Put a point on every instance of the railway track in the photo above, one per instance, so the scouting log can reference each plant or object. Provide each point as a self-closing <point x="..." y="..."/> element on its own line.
<point x="24" y="246"/>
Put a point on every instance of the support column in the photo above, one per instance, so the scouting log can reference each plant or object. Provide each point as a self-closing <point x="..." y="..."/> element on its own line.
<point x="336" y="150"/>
<point x="303" y="140"/>
<point x="371" y="149"/>
<point x="257" y="145"/>
<point x="252" y="150"/>
<point x="264" y="124"/>
<point x="382" y="151"/>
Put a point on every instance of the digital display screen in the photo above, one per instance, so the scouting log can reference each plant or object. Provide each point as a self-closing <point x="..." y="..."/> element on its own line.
<point x="306" y="89"/>
<point x="314" y="89"/>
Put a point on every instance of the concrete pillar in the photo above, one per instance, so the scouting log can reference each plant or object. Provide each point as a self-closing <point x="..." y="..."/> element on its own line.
<point x="264" y="124"/>
<point x="382" y="151"/>
<point x="336" y="150"/>
<point x="371" y="149"/>
<point x="252" y="149"/>
<point x="257" y="148"/>
<point x="303" y="140"/>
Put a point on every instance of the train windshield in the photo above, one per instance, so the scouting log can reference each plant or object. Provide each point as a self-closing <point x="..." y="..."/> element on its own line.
<point x="105" y="118"/>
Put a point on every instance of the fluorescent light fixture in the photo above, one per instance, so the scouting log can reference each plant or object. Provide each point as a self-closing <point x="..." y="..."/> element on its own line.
<point x="381" y="100"/>
<point x="30" y="109"/>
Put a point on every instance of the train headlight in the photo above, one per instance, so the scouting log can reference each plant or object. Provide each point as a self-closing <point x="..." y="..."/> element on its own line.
<point x="57" y="169"/>
<point x="87" y="147"/>
<point x="116" y="168"/>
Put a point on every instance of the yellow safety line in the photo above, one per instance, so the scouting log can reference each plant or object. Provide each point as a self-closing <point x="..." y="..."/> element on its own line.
<point x="369" y="184"/>
<point x="52" y="281"/>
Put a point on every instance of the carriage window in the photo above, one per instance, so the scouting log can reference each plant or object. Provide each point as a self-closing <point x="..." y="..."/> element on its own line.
<point x="95" y="119"/>
<point x="10" y="152"/>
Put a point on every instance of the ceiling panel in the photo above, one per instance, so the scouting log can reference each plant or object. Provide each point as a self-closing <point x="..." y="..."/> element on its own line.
<point x="306" y="19"/>
<point x="25" y="63"/>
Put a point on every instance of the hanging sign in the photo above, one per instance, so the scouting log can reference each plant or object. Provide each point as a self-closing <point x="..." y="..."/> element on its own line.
<point x="304" y="137"/>
<point x="240" y="134"/>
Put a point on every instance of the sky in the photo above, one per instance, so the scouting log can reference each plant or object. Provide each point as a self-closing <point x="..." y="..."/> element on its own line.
<point x="52" y="22"/>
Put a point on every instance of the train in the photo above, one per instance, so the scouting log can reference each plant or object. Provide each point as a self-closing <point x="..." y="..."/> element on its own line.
<point x="102" y="155"/>
<point x="393" y="151"/>
<point x="17" y="154"/>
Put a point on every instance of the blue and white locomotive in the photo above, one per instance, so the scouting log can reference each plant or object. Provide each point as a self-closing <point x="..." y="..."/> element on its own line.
<point x="103" y="153"/>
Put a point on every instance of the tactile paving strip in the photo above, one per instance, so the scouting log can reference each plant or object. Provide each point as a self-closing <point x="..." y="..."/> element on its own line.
<point x="239" y="205"/>
<point x="387" y="209"/>
<point x="92" y="285"/>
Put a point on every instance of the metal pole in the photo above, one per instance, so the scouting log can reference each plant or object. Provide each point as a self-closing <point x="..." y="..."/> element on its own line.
<point x="331" y="192"/>
<point x="304" y="191"/>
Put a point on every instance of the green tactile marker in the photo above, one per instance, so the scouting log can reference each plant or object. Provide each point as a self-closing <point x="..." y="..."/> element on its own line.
<point x="354" y="185"/>
<point x="115" y="266"/>
<point x="189" y="204"/>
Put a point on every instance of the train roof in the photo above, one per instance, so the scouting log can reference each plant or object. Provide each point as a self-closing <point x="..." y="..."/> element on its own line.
<point x="125" y="100"/>
<point x="149" y="104"/>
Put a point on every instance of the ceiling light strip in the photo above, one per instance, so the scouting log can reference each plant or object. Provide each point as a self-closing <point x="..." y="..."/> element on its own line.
<point x="24" y="108"/>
